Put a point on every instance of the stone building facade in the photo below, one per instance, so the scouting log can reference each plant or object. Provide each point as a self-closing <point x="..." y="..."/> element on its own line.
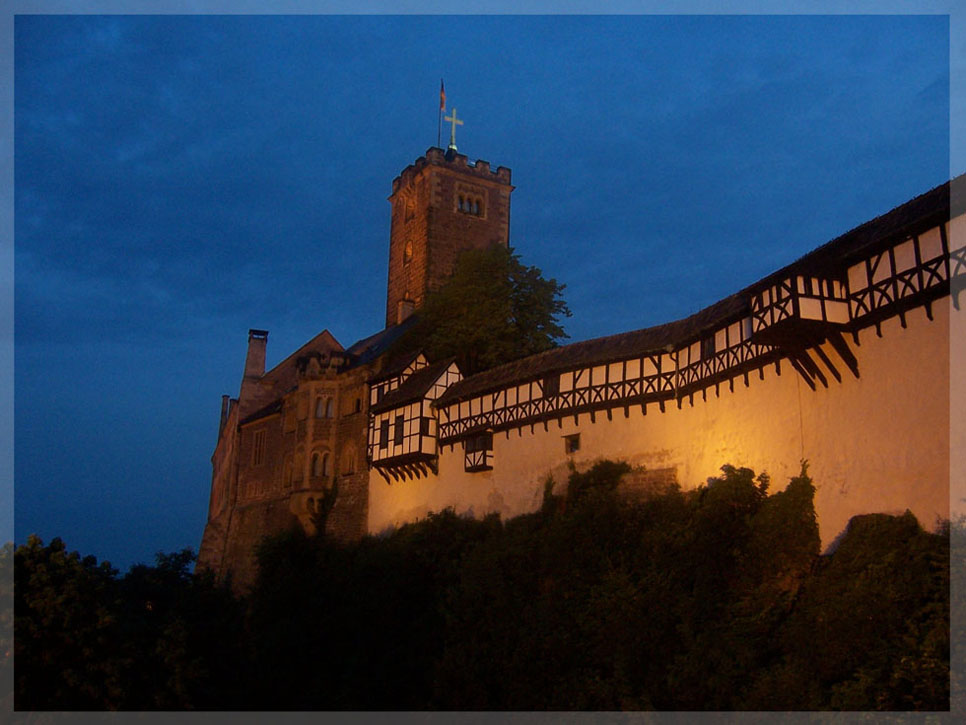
<point x="841" y="358"/>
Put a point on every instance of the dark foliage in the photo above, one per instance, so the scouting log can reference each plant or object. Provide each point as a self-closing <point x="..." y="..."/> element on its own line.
<point x="492" y="309"/>
<point x="158" y="638"/>
<point x="6" y="627"/>
<point x="355" y="627"/>
<point x="714" y="599"/>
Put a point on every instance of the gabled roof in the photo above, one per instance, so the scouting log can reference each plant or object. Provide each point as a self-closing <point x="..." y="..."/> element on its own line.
<point x="396" y="366"/>
<point x="414" y="387"/>
<point x="263" y="412"/>
<point x="917" y="215"/>
<point x="369" y="348"/>
<point x="284" y="376"/>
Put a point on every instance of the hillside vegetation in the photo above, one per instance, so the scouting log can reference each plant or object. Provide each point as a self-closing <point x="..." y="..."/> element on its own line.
<point x="713" y="599"/>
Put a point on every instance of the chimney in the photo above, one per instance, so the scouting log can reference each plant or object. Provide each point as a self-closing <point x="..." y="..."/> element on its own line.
<point x="224" y="414"/>
<point x="251" y="395"/>
<point x="255" y="361"/>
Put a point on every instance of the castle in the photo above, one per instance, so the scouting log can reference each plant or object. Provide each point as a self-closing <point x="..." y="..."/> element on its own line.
<point x="840" y="358"/>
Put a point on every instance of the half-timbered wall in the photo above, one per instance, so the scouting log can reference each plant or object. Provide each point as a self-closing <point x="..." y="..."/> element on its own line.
<point x="636" y="381"/>
<point x="416" y="426"/>
<point x="876" y="437"/>
<point x="379" y="390"/>
<point x="409" y="429"/>
<point x="881" y="283"/>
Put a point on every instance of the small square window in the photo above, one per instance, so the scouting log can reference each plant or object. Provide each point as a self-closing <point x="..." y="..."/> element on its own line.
<point x="478" y="453"/>
<point x="572" y="443"/>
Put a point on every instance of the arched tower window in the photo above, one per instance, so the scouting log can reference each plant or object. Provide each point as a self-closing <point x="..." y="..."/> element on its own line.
<point x="320" y="407"/>
<point x="316" y="465"/>
<point x="329" y="408"/>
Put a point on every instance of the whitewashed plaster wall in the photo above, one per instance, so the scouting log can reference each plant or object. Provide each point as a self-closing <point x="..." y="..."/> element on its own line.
<point x="879" y="443"/>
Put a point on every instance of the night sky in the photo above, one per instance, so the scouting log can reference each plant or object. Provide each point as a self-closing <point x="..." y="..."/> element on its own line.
<point x="179" y="180"/>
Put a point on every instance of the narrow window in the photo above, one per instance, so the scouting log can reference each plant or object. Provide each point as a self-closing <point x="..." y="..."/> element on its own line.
<point x="397" y="432"/>
<point x="572" y="443"/>
<point x="316" y="465"/>
<point x="320" y="407"/>
<point x="326" y="465"/>
<point x="707" y="348"/>
<point x="358" y="405"/>
<point x="329" y="408"/>
<point x="551" y="385"/>
<point x="424" y="426"/>
<point x="258" y="448"/>
<point x="384" y="434"/>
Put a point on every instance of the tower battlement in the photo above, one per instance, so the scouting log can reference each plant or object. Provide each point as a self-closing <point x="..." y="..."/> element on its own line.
<point x="442" y="205"/>
<point x="455" y="161"/>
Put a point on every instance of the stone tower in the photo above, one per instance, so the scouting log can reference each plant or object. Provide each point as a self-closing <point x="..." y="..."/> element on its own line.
<point x="441" y="205"/>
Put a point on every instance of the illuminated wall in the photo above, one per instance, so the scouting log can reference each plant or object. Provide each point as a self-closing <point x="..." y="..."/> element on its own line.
<point x="877" y="443"/>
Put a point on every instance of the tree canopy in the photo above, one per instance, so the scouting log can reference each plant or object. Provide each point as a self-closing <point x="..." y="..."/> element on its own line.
<point x="493" y="309"/>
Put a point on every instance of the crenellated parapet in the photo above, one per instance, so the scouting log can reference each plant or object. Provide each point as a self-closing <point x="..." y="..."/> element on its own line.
<point x="454" y="162"/>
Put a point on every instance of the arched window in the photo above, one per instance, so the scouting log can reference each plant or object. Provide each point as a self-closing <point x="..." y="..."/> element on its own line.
<point x="326" y="464"/>
<point x="329" y="408"/>
<point x="461" y="203"/>
<point x="317" y="465"/>
<point x="320" y="407"/>
<point x="476" y="207"/>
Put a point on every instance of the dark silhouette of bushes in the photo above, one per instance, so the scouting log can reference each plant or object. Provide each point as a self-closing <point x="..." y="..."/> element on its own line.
<point x="712" y="599"/>
<point x="158" y="638"/>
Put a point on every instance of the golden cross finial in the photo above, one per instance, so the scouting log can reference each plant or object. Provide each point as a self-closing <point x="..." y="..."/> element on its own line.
<point x="452" y="133"/>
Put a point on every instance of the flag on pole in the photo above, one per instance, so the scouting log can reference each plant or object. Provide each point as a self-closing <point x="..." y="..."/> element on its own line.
<point x="442" y="96"/>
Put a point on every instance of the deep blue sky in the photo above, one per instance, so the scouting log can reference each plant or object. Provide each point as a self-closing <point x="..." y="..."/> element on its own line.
<point x="181" y="179"/>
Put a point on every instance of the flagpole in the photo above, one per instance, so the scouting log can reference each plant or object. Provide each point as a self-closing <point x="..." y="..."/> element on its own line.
<point x="442" y="108"/>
